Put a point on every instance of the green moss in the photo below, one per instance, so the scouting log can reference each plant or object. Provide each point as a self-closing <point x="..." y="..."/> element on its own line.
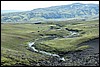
<point x="82" y="47"/>
<point x="6" y="61"/>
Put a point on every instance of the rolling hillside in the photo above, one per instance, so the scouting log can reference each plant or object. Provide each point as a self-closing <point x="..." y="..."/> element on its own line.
<point x="75" y="10"/>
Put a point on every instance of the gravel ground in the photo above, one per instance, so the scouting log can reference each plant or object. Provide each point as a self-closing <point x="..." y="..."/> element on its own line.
<point x="73" y="59"/>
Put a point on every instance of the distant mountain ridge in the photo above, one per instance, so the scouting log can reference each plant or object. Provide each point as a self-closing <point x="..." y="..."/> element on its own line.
<point x="75" y="10"/>
<point x="10" y="11"/>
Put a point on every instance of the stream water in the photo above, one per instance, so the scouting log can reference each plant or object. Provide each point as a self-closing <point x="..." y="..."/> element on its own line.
<point x="32" y="48"/>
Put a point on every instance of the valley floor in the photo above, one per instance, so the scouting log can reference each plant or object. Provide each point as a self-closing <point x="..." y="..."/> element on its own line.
<point x="80" y="49"/>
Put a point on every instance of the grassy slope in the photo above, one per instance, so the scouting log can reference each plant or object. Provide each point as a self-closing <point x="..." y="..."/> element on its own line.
<point x="14" y="38"/>
<point x="90" y="30"/>
<point x="14" y="43"/>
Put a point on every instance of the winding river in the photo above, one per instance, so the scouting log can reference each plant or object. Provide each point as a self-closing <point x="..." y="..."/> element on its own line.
<point x="32" y="48"/>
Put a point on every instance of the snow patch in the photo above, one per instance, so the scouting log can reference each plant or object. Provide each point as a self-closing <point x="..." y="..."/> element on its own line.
<point x="86" y="5"/>
<point x="71" y="6"/>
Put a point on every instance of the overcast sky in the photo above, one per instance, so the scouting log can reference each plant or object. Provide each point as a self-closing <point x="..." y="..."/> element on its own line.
<point x="29" y="5"/>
